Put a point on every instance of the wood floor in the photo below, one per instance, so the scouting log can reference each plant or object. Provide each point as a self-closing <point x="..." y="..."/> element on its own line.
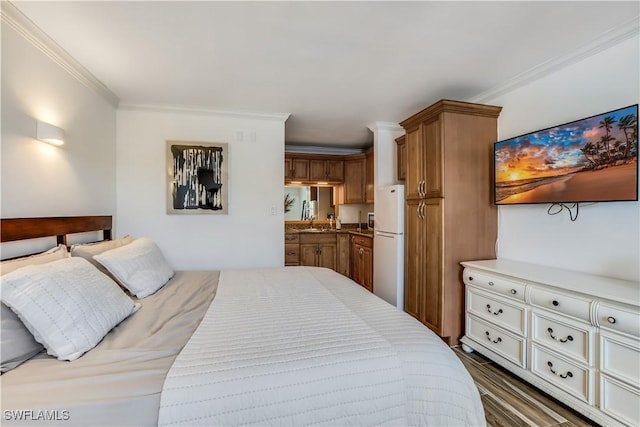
<point x="509" y="401"/>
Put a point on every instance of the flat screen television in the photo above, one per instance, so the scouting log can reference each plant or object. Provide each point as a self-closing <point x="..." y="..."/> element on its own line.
<point x="594" y="159"/>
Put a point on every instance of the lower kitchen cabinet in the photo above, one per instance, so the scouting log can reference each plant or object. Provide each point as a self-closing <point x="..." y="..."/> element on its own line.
<point x="343" y="254"/>
<point x="318" y="250"/>
<point x="362" y="261"/>
<point x="291" y="249"/>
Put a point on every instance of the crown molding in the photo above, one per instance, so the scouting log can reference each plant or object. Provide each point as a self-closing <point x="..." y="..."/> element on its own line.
<point x="389" y="126"/>
<point x="15" y="19"/>
<point x="167" y="108"/>
<point x="612" y="37"/>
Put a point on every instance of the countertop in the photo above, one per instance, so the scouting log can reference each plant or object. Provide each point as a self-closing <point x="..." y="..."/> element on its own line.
<point x="364" y="232"/>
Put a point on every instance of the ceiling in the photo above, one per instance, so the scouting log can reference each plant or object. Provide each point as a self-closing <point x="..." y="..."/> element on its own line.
<point x="335" y="66"/>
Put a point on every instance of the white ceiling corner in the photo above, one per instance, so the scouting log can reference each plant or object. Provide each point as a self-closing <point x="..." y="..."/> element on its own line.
<point x="613" y="36"/>
<point x="32" y="33"/>
<point x="341" y="69"/>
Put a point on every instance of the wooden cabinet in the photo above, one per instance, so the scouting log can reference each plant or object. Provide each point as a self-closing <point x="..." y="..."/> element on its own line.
<point x="291" y="249"/>
<point x="343" y="248"/>
<point x="369" y="185"/>
<point x="423" y="282"/>
<point x="296" y="169"/>
<point x="362" y="261"/>
<point x="318" y="250"/>
<point x="424" y="159"/>
<point x="313" y="168"/>
<point x="450" y="215"/>
<point x="326" y="170"/>
<point x="575" y="336"/>
<point x="354" y="180"/>
<point x="401" y="158"/>
<point x="354" y="171"/>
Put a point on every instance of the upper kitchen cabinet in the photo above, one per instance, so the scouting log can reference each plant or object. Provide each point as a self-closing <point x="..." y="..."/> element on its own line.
<point x="296" y="169"/>
<point x="355" y="179"/>
<point x="401" y="158"/>
<point x="369" y="186"/>
<point x="330" y="170"/>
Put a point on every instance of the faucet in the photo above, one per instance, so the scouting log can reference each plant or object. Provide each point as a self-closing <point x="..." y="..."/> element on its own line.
<point x="311" y="221"/>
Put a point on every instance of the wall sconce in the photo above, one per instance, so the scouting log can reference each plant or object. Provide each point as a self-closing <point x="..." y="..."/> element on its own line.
<point x="49" y="133"/>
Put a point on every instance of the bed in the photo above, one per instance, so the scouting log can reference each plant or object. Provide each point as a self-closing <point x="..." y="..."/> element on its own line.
<point x="275" y="346"/>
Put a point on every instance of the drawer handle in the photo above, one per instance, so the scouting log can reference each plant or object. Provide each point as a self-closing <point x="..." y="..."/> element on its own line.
<point x="568" y="374"/>
<point x="495" y="313"/>
<point x="291" y="253"/>
<point x="513" y="291"/>
<point x="568" y="338"/>
<point x="555" y="303"/>
<point x="611" y="320"/>
<point x="493" y="341"/>
<point x="470" y="277"/>
<point x="490" y="283"/>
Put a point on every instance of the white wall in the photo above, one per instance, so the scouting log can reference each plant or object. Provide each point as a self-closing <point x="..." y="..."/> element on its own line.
<point x="354" y="213"/>
<point x="605" y="239"/>
<point x="38" y="179"/>
<point x="249" y="236"/>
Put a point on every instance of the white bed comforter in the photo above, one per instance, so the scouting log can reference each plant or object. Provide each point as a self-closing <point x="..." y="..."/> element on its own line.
<point x="303" y="346"/>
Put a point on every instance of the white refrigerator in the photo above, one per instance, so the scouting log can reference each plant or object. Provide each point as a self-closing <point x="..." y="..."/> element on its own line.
<point x="388" y="245"/>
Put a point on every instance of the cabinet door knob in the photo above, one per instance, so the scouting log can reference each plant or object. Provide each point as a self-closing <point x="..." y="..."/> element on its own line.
<point x="470" y="278"/>
<point x="555" y="303"/>
<point x="491" y="283"/>
<point x="611" y="320"/>
<point x="513" y="291"/>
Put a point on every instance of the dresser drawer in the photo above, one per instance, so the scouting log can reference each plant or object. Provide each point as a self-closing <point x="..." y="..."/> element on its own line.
<point x="567" y="337"/>
<point x="569" y="376"/>
<point x="619" y="400"/>
<point x="618" y="319"/>
<point x="496" y="310"/>
<point x="620" y="357"/>
<point x="494" y="283"/>
<point x="571" y="305"/>
<point x="291" y="254"/>
<point x="504" y="343"/>
<point x="291" y="238"/>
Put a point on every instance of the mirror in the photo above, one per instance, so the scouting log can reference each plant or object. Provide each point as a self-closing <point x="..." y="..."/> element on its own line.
<point x="299" y="203"/>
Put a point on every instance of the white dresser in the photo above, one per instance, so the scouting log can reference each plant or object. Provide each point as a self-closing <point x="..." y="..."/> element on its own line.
<point x="573" y="335"/>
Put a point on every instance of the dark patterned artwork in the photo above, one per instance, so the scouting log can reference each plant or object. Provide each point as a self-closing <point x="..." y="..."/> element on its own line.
<point x="197" y="178"/>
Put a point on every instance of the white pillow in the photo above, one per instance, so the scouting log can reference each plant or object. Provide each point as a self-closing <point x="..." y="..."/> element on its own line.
<point x="53" y="254"/>
<point x="17" y="345"/>
<point x="68" y="305"/>
<point x="89" y="250"/>
<point x="139" y="266"/>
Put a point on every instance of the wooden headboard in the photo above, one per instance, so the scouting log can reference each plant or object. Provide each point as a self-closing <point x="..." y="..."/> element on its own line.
<point x="12" y="229"/>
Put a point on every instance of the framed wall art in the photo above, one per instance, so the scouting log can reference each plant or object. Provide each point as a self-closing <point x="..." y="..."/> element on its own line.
<point x="197" y="178"/>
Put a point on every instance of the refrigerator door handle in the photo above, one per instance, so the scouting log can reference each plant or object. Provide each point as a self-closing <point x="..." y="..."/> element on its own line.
<point x="389" y="236"/>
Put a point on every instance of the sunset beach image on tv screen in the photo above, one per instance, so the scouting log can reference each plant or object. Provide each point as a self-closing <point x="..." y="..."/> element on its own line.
<point x="589" y="160"/>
